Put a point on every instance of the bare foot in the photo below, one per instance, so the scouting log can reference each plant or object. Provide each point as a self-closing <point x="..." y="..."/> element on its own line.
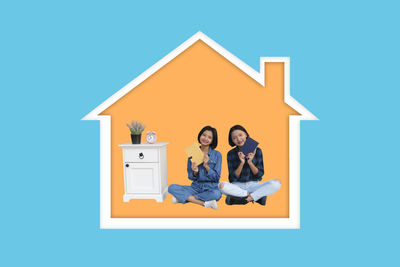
<point x="249" y="198"/>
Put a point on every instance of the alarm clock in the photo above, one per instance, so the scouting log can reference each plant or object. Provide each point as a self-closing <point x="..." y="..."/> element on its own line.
<point x="151" y="137"/>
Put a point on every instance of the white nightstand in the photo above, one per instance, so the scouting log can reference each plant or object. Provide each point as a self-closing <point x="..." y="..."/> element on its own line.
<point x="145" y="171"/>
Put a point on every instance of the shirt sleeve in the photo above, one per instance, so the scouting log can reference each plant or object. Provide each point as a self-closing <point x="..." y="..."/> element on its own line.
<point x="214" y="173"/>
<point x="231" y="167"/>
<point x="259" y="164"/>
<point x="190" y="171"/>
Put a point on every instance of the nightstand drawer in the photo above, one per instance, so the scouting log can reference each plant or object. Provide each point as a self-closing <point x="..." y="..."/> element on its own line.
<point x="140" y="155"/>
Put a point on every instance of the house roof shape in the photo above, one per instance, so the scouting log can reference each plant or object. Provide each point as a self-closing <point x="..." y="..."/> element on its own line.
<point x="257" y="76"/>
<point x="293" y="221"/>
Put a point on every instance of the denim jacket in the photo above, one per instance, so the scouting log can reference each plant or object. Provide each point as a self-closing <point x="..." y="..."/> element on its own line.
<point x="204" y="179"/>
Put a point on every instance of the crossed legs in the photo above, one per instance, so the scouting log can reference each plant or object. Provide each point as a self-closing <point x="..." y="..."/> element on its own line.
<point x="253" y="191"/>
<point x="190" y="194"/>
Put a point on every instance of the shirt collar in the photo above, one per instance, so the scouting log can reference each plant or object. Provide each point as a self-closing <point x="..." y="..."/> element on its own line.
<point x="209" y="150"/>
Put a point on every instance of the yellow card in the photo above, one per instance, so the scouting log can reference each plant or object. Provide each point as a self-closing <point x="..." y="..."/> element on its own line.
<point x="195" y="153"/>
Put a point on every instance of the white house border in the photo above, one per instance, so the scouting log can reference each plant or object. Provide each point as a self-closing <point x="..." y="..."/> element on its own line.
<point x="106" y="221"/>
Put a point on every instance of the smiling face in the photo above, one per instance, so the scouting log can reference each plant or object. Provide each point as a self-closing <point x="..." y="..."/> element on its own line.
<point x="206" y="138"/>
<point x="238" y="137"/>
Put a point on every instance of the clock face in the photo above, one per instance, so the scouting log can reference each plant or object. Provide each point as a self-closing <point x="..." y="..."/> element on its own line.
<point x="151" y="137"/>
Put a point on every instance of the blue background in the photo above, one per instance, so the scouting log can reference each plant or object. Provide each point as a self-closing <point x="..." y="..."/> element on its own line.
<point x="59" y="60"/>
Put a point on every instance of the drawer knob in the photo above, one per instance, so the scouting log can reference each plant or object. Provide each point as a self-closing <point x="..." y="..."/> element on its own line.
<point x="127" y="165"/>
<point x="141" y="156"/>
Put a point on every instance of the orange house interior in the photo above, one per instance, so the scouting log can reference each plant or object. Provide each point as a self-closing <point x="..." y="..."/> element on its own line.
<point x="197" y="88"/>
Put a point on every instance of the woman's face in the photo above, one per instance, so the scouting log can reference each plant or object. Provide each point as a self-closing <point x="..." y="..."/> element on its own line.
<point x="238" y="137"/>
<point x="206" y="138"/>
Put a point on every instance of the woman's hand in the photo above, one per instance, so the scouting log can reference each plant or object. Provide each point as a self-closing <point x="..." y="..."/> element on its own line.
<point x="250" y="157"/>
<point x="242" y="157"/>
<point x="195" y="168"/>
<point x="206" y="159"/>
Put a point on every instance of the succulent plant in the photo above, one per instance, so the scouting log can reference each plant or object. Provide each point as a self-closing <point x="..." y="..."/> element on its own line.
<point x="136" y="127"/>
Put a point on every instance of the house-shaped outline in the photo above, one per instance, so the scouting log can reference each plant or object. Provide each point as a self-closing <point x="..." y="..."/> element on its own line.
<point x="293" y="221"/>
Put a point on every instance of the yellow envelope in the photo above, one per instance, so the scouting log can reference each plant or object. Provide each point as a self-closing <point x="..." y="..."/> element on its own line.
<point x="195" y="153"/>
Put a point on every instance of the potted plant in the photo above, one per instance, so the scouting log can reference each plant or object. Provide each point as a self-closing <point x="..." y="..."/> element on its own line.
<point x="136" y="129"/>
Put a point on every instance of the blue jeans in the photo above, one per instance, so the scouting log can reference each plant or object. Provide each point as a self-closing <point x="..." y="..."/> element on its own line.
<point x="255" y="189"/>
<point x="182" y="192"/>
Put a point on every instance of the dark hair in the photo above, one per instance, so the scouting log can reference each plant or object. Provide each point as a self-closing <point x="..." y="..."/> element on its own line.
<point x="214" y="141"/>
<point x="236" y="127"/>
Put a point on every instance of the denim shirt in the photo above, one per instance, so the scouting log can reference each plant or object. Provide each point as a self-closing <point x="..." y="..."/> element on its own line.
<point x="207" y="180"/>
